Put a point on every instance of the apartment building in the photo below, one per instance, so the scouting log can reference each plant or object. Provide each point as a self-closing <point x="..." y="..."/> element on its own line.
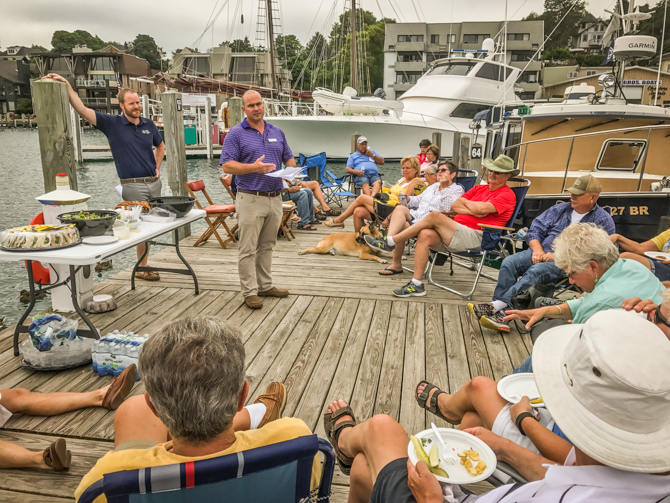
<point x="410" y="49"/>
<point x="97" y="76"/>
<point x="590" y="36"/>
<point x="221" y="63"/>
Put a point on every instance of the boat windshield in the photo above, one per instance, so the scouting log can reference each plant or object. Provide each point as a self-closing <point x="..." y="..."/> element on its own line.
<point x="576" y="96"/>
<point x="452" y="68"/>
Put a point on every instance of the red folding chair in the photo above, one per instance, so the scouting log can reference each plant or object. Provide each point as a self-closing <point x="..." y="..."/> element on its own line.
<point x="218" y="212"/>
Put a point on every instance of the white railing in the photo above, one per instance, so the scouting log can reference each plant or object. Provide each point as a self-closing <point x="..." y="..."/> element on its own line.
<point x="95" y="101"/>
<point x="91" y="83"/>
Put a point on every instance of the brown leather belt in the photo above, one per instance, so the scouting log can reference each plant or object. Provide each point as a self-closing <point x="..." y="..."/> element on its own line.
<point x="257" y="193"/>
<point x="146" y="179"/>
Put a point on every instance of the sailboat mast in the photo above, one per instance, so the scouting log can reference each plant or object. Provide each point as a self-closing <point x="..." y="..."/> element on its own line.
<point x="271" y="37"/>
<point x="354" y="82"/>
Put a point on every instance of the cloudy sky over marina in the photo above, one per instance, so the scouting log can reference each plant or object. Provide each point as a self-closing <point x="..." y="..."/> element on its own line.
<point x="175" y="23"/>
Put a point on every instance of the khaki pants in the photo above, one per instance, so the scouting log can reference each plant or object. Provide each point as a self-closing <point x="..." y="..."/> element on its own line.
<point x="258" y="218"/>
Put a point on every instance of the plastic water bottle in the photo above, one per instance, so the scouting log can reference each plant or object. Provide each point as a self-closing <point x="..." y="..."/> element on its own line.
<point x="403" y="199"/>
<point x="168" y="191"/>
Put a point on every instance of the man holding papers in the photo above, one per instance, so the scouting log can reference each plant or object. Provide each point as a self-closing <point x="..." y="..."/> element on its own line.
<point x="252" y="149"/>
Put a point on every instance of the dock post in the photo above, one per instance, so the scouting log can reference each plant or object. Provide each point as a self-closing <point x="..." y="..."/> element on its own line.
<point x="464" y="157"/>
<point x="208" y="126"/>
<point x="354" y="139"/>
<point x="54" y="127"/>
<point x="175" y="148"/>
<point x="235" y="107"/>
<point x="76" y="136"/>
<point x="437" y="140"/>
<point x="145" y="106"/>
<point x="456" y="149"/>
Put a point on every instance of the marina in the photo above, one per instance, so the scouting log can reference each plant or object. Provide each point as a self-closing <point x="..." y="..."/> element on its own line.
<point x="351" y="340"/>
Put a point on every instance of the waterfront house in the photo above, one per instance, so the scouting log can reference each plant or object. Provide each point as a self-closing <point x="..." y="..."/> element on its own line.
<point x="14" y="83"/>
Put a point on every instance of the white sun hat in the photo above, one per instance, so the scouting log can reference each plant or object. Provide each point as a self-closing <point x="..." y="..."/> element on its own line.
<point x="607" y="386"/>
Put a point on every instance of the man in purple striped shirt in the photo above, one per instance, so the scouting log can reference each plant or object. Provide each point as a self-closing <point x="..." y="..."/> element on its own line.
<point x="251" y="149"/>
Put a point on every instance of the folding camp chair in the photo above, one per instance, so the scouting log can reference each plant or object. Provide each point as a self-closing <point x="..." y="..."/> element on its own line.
<point x="279" y="473"/>
<point x="493" y="246"/>
<point x="218" y="212"/>
<point x="466" y="178"/>
<point x="332" y="186"/>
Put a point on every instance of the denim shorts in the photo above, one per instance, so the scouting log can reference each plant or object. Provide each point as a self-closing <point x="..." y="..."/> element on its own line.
<point x="660" y="270"/>
<point x="369" y="178"/>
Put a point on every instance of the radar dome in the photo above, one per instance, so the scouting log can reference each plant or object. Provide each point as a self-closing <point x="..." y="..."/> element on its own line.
<point x="488" y="45"/>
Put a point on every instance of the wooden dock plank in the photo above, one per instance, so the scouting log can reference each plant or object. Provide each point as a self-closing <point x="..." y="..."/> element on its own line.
<point x="412" y="417"/>
<point x="436" y="357"/>
<point x="475" y="348"/>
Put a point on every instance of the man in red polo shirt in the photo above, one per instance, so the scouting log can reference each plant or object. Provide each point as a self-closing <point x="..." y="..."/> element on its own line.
<point x="491" y="204"/>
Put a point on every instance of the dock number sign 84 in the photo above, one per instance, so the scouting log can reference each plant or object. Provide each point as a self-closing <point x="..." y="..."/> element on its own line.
<point x="476" y="151"/>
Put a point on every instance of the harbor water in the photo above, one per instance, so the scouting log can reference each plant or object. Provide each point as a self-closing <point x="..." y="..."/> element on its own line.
<point x="22" y="181"/>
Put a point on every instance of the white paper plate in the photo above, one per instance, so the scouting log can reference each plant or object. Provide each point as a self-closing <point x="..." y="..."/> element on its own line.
<point x="458" y="441"/>
<point x="514" y="386"/>
<point x="99" y="240"/>
<point x="657" y="255"/>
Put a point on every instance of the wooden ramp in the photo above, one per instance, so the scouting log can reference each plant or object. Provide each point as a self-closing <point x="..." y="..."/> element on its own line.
<point x="340" y="334"/>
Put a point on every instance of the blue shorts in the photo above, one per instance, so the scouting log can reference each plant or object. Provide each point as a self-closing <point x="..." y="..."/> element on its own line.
<point x="370" y="178"/>
<point x="660" y="270"/>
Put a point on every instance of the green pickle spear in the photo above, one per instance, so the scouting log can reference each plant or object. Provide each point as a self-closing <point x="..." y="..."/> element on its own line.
<point x="421" y="454"/>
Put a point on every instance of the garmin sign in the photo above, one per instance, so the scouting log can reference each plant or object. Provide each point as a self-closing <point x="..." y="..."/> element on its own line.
<point x="635" y="46"/>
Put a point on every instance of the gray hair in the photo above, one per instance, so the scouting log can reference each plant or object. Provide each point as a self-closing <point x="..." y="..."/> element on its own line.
<point x="580" y="243"/>
<point x="193" y="371"/>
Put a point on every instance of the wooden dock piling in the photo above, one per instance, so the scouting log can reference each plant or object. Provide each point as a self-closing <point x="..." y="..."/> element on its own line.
<point x="235" y="107"/>
<point x="52" y="107"/>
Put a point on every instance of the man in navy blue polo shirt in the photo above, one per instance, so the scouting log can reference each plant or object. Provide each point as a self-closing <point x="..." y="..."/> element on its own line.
<point x="131" y="139"/>
<point x="251" y="149"/>
<point x="363" y="165"/>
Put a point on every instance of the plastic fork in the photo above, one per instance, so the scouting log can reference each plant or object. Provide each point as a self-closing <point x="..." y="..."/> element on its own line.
<point x="446" y="455"/>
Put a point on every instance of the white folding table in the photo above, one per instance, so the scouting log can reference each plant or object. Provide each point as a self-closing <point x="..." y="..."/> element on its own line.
<point x="84" y="254"/>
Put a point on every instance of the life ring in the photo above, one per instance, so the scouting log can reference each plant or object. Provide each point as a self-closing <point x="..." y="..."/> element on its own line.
<point x="41" y="274"/>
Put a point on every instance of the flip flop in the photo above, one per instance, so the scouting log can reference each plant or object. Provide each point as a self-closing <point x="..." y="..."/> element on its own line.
<point x="432" y="405"/>
<point x="307" y="227"/>
<point x="333" y="433"/>
<point x="391" y="272"/>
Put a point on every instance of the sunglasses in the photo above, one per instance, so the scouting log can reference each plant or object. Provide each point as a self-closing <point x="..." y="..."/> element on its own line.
<point x="443" y="170"/>
<point x="658" y="318"/>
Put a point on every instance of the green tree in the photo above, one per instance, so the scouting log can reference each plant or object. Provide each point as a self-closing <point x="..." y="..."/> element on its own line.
<point x="554" y="10"/>
<point x="287" y="47"/>
<point x="39" y="48"/>
<point x="144" y="46"/>
<point x="64" y="41"/>
<point x="24" y="106"/>
<point x="239" y="45"/>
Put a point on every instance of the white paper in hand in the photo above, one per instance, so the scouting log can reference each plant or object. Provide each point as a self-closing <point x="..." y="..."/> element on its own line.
<point x="286" y="174"/>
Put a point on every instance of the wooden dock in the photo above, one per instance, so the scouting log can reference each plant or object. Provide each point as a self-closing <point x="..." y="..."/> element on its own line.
<point x="340" y="334"/>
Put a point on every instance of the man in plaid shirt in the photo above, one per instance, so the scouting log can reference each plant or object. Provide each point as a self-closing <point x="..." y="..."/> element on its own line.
<point x="536" y="264"/>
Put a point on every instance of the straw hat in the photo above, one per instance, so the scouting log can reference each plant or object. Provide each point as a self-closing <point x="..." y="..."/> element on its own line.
<point x="607" y="387"/>
<point x="502" y="164"/>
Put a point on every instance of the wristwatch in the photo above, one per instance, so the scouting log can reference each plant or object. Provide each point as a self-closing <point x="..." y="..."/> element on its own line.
<point x="520" y="418"/>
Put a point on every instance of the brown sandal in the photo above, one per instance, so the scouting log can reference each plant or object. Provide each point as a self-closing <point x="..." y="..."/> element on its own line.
<point x="120" y="388"/>
<point x="431" y="406"/>
<point x="57" y="457"/>
<point x="333" y="433"/>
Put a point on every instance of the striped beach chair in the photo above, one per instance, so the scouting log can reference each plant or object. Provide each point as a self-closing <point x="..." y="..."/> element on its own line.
<point x="279" y="473"/>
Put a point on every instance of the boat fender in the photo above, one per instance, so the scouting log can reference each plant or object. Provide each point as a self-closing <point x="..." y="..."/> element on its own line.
<point x="41" y="274"/>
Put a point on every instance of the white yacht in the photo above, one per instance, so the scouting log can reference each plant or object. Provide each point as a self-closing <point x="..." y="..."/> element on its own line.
<point x="444" y="100"/>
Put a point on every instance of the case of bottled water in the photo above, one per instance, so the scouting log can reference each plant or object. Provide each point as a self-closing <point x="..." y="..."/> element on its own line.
<point x="116" y="351"/>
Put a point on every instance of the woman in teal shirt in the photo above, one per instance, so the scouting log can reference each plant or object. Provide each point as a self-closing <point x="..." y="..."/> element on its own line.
<point x="591" y="261"/>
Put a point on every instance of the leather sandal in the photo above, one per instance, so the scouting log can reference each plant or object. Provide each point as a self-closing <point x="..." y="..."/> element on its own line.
<point x="120" y="388"/>
<point x="57" y="457"/>
<point x="333" y="433"/>
<point x="432" y="405"/>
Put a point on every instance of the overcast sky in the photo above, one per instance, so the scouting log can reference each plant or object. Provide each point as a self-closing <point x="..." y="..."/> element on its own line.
<point x="178" y="23"/>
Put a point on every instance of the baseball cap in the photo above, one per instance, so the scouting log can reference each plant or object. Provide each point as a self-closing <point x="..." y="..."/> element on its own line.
<point x="361" y="139"/>
<point x="584" y="184"/>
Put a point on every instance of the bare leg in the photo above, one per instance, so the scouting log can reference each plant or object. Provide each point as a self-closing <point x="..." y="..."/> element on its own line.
<point x="479" y="395"/>
<point x="361" y="201"/>
<point x="49" y="404"/>
<point x="361" y="214"/>
<point x="140" y="251"/>
<point x="379" y="440"/>
<point x="400" y="219"/>
<point x="442" y="224"/>
<point x="470" y="420"/>
<point x="134" y="420"/>
<point x="376" y="187"/>
<point x="313" y="185"/>
<point x="428" y="239"/>
<point x="637" y="258"/>
<point x="15" y="456"/>
<point x="366" y="189"/>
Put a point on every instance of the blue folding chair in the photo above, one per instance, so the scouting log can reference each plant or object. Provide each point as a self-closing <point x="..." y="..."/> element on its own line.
<point x="493" y="246"/>
<point x="279" y="473"/>
<point x="466" y="178"/>
<point x="331" y="186"/>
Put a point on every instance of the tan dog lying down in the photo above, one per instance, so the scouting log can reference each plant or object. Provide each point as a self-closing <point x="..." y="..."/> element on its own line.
<point x="350" y="244"/>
